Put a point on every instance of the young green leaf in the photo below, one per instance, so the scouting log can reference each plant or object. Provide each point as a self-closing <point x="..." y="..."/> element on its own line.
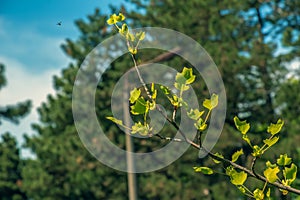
<point x="116" y="121"/>
<point x="204" y="170"/>
<point x="141" y="129"/>
<point x="140" y="35"/>
<point x="195" y="114"/>
<point x="270" y="165"/>
<point x="140" y="107"/>
<point x="124" y="30"/>
<point x="165" y="89"/>
<point x="134" y="95"/>
<point x="183" y="79"/>
<point x="238" y="178"/>
<point x="200" y="125"/>
<point x="271" y="141"/>
<point x="242" y="126"/>
<point x="275" y="128"/>
<point x="290" y="174"/>
<point x="284" y="160"/>
<point x="218" y="155"/>
<point x="236" y="155"/>
<point x="271" y="174"/>
<point x="258" y="194"/>
<point x="211" y="103"/>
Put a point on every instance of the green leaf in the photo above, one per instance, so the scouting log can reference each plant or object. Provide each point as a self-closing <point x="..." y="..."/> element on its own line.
<point x="271" y="174"/>
<point x="218" y="155"/>
<point x="113" y="19"/>
<point x="270" y="165"/>
<point x="130" y="36"/>
<point x="200" y="125"/>
<point x="268" y="194"/>
<point x="165" y="89"/>
<point x="211" y="103"/>
<point x="204" y="170"/>
<point x="238" y="178"/>
<point x="140" y="106"/>
<point x="236" y="155"/>
<point x="140" y="35"/>
<point x="141" y="129"/>
<point x="258" y="194"/>
<point x="132" y="50"/>
<point x="124" y="29"/>
<point x="184" y="78"/>
<point x="271" y="141"/>
<point x="195" y="114"/>
<point x="246" y="138"/>
<point x="134" y="95"/>
<point x="256" y="150"/>
<point x="275" y="128"/>
<point x="290" y="174"/>
<point x="242" y="126"/>
<point x="116" y="121"/>
<point x="284" y="160"/>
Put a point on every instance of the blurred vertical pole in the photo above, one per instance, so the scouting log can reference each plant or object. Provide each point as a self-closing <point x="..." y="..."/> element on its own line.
<point x="132" y="191"/>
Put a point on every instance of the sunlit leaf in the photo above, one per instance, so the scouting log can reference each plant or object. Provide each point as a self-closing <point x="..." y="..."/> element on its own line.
<point x="218" y="155"/>
<point x="258" y="194"/>
<point x="211" y="103"/>
<point x="270" y="165"/>
<point x="134" y="95"/>
<point x="238" y="178"/>
<point x="204" y="170"/>
<point x="271" y="174"/>
<point x="200" y="125"/>
<point x="124" y="29"/>
<point x="242" y="126"/>
<point x="271" y="141"/>
<point x="195" y="114"/>
<point x="236" y="155"/>
<point x="290" y="173"/>
<point x="165" y="89"/>
<point x="256" y="150"/>
<point x="275" y="128"/>
<point x="141" y="129"/>
<point x="284" y="160"/>
<point x="140" y="35"/>
<point x="116" y="121"/>
<point x="183" y="79"/>
<point x="268" y="194"/>
<point x="140" y="106"/>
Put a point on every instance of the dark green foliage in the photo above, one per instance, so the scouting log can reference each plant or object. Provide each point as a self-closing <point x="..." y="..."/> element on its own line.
<point x="10" y="174"/>
<point x="10" y="161"/>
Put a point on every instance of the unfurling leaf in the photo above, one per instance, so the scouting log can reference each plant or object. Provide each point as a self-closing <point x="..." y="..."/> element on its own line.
<point x="242" y="126"/>
<point x="218" y="155"/>
<point x="270" y="165"/>
<point x="140" y="107"/>
<point x="238" y="178"/>
<point x="290" y="174"/>
<point x="140" y="35"/>
<point x="132" y="50"/>
<point x="284" y="160"/>
<point x="116" y="121"/>
<point x="271" y="141"/>
<point x="275" y="128"/>
<point x="258" y="194"/>
<point x="113" y="19"/>
<point x="195" y="114"/>
<point x="183" y="79"/>
<point x="236" y="155"/>
<point x="204" y="170"/>
<point x="211" y="103"/>
<point x="141" y="129"/>
<point x="200" y="125"/>
<point x="134" y="95"/>
<point x="271" y="174"/>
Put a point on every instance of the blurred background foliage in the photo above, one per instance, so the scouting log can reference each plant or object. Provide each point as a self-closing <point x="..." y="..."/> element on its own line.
<point x="244" y="38"/>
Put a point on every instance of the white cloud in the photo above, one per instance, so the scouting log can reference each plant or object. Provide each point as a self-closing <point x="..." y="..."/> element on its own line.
<point x="21" y="86"/>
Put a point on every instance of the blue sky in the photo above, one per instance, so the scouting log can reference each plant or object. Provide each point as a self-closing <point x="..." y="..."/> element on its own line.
<point x="30" y="48"/>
